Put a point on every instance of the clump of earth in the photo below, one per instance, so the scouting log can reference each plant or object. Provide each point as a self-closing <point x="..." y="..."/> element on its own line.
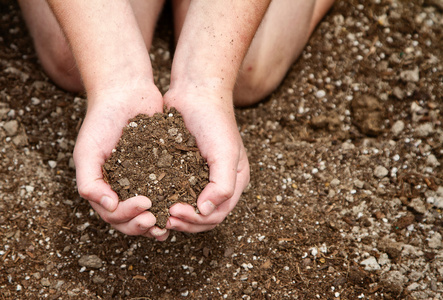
<point x="157" y="157"/>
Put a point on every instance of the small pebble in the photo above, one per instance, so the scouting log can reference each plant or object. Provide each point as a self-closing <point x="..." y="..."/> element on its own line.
<point x="370" y="264"/>
<point x="413" y="286"/>
<point x="98" y="280"/>
<point x="410" y="75"/>
<point x="52" y="164"/>
<point x="59" y="284"/>
<point x="29" y="188"/>
<point x="11" y="127"/>
<point x="359" y="184"/>
<point x="90" y="261"/>
<point x="424" y="130"/>
<point x="398" y="92"/>
<point x="432" y="161"/>
<point x="45" y="282"/>
<point x="435" y="241"/>
<point x="173" y="131"/>
<point x="320" y="94"/>
<point x="380" y="172"/>
<point x="124" y="182"/>
<point x="165" y="161"/>
<point x="35" y="101"/>
<point x="334" y="182"/>
<point x="418" y="205"/>
<point x="20" y="140"/>
<point x="193" y="180"/>
<point x="398" y="127"/>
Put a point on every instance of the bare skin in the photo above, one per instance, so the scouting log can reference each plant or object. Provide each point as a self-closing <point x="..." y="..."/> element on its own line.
<point x="108" y="58"/>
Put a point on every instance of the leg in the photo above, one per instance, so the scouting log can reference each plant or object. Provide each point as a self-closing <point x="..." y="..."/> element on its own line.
<point x="179" y="9"/>
<point x="278" y="42"/>
<point x="52" y="48"/>
<point x="266" y="64"/>
<point x="50" y="44"/>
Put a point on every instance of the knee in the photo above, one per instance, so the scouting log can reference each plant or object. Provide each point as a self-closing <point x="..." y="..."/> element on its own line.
<point x="256" y="82"/>
<point x="59" y="64"/>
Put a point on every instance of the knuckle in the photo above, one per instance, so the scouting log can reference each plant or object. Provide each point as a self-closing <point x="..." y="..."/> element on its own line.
<point x="147" y="223"/>
<point x="84" y="193"/>
<point x="107" y="218"/>
<point x="226" y="192"/>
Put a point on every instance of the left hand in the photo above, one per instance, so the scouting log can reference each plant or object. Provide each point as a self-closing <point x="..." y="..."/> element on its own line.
<point x="209" y="116"/>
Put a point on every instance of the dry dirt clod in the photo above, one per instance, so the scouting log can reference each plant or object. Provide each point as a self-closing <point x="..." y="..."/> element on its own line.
<point x="11" y="127"/>
<point x="165" y="161"/>
<point x="368" y="115"/>
<point x="90" y="261"/>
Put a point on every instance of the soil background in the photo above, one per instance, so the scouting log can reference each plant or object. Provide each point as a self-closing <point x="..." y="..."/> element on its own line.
<point x="346" y="192"/>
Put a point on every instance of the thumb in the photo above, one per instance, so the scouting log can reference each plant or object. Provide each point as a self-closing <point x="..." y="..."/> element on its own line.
<point x="90" y="183"/>
<point x="221" y="186"/>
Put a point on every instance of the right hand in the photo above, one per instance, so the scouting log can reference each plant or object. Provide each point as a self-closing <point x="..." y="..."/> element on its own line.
<point x="108" y="112"/>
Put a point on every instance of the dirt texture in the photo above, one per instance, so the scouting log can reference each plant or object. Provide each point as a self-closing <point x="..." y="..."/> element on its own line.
<point x="346" y="192"/>
<point x="157" y="157"/>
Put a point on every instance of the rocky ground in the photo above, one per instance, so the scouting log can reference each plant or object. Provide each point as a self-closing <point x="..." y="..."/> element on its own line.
<point x="346" y="192"/>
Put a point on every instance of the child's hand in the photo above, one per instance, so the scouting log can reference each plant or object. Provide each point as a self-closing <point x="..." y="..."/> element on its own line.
<point x="211" y="120"/>
<point x="108" y="112"/>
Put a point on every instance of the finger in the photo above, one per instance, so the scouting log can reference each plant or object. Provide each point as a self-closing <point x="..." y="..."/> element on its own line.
<point x="221" y="186"/>
<point x="180" y="225"/>
<point x="187" y="213"/>
<point x="158" y="238"/>
<point x="226" y="179"/>
<point x="157" y="231"/>
<point x="138" y="225"/>
<point x="160" y="234"/>
<point x="90" y="183"/>
<point x="126" y="210"/>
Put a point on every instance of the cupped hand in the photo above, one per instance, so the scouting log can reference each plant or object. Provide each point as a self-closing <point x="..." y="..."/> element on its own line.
<point x="108" y="112"/>
<point x="209" y="116"/>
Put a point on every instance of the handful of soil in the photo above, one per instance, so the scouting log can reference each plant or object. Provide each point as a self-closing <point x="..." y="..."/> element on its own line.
<point x="157" y="157"/>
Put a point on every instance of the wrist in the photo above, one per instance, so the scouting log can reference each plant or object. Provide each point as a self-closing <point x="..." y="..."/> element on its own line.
<point x="119" y="76"/>
<point x="128" y="98"/>
<point x="197" y="93"/>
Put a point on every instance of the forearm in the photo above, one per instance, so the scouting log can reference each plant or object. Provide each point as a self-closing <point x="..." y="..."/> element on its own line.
<point x="214" y="40"/>
<point x="106" y="42"/>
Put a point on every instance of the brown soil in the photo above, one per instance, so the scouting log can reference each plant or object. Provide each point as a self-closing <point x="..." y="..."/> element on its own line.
<point x="158" y="158"/>
<point x="346" y="192"/>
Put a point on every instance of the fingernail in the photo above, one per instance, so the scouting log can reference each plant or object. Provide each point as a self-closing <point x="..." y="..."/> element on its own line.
<point x="143" y="228"/>
<point x="207" y="208"/>
<point x="145" y="206"/>
<point x="158" y="231"/>
<point x="107" y="202"/>
<point x="169" y="225"/>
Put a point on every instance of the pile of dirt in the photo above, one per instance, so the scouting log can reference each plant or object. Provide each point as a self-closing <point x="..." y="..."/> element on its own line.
<point x="157" y="157"/>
